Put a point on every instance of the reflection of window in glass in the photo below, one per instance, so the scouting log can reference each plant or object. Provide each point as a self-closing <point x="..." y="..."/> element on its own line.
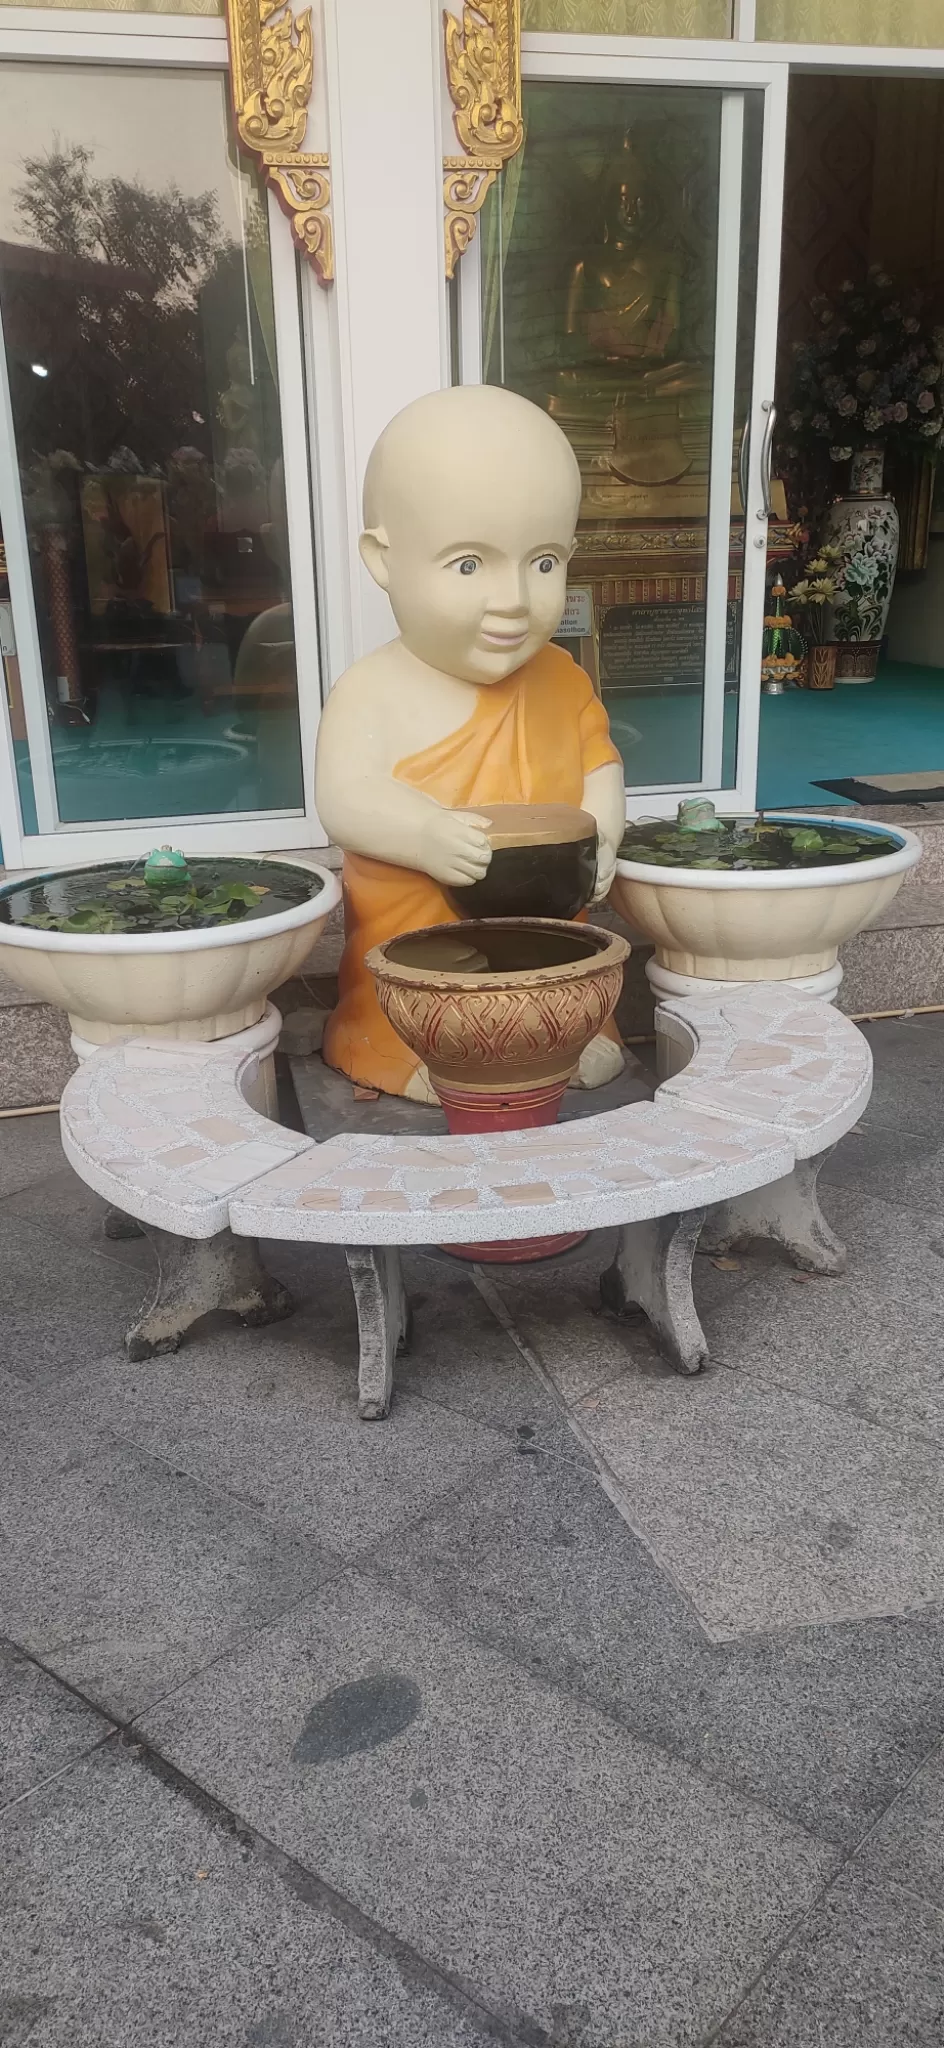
<point x="629" y="17"/>
<point x="140" y="339"/>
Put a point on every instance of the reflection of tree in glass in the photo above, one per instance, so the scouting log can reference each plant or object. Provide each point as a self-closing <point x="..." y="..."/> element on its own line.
<point x="171" y="237"/>
<point x="117" y="312"/>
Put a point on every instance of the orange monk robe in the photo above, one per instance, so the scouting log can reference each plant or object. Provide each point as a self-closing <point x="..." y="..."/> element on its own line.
<point x="531" y="739"/>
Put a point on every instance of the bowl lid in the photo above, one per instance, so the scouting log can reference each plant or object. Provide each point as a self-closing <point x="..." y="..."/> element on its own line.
<point x="534" y="824"/>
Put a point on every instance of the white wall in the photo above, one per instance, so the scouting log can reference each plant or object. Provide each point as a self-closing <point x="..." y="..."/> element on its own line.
<point x="388" y="316"/>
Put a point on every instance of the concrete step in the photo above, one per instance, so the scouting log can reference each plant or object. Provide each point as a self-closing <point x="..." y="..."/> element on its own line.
<point x="897" y="963"/>
<point x="36" y="1057"/>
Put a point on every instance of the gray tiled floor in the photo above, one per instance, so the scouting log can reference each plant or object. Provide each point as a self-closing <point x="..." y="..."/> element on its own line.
<point x="323" y="1735"/>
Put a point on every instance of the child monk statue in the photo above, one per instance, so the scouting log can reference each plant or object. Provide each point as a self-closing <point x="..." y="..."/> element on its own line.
<point x="470" y="506"/>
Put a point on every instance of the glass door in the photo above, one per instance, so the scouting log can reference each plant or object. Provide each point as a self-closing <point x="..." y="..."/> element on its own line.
<point x="626" y="279"/>
<point x="154" y="488"/>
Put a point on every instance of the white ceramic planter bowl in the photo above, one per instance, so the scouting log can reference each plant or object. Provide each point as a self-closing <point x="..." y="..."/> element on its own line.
<point x="194" y="985"/>
<point x="770" y="926"/>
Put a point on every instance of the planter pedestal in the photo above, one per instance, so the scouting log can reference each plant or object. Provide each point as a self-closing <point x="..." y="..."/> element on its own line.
<point x="261" y="1038"/>
<point x="195" y="1275"/>
<point x="506" y="1109"/>
<point x="664" y="983"/>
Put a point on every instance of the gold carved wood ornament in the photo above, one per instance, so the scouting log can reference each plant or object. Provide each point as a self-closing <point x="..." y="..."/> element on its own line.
<point x="271" y="71"/>
<point x="483" y="71"/>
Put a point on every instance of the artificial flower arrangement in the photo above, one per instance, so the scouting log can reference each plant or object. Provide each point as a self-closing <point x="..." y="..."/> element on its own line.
<point x="819" y="586"/>
<point x="872" y="374"/>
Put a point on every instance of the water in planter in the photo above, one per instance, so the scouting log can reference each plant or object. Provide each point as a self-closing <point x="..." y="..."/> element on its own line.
<point x="177" y="896"/>
<point x="495" y="946"/>
<point x="752" y="844"/>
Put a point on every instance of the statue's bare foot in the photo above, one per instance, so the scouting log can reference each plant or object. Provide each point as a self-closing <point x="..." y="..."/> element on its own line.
<point x="419" y="1087"/>
<point x="600" y="1061"/>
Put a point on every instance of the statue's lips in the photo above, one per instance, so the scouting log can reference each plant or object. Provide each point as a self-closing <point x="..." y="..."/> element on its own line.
<point x="504" y="639"/>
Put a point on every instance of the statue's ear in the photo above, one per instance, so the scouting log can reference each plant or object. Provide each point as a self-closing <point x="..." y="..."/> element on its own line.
<point x="374" y="546"/>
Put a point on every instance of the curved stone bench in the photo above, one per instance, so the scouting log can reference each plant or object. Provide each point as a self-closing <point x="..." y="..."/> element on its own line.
<point x="163" y="1131"/>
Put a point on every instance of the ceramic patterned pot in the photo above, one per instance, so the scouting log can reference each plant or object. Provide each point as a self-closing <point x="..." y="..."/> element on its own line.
<point x="500" y="1011"/>
<point x="821" y="668"/>
<point x="857" y="661"/>
<point x="864" y="526"/>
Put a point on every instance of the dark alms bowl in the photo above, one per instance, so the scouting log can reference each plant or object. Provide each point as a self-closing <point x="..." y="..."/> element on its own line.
<point x="544" y="862"/>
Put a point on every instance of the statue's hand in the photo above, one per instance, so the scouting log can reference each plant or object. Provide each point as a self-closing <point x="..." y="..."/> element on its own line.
<point x="455" y="848"/>
<point x="606" y="869"/>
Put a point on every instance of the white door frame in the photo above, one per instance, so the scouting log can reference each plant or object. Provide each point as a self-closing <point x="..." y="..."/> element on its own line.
<point x="608" y="59"/>
<point x="166" y="42"/>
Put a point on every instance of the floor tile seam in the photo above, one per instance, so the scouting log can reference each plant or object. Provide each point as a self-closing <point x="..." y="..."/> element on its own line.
<point x="233" y="1647"/>
<point x="106" y="1433"/>
<point x="350" y="1559"/>
<point x="599" y="1463"/>
<point x="23" y="1187"/>
<point x="847" y="1414"/>
<point x="343" y="1558"/>
<point x="311" y="1889"/>
<point x="506" y="1435"/>
<point x="34" y="1227"/>
<point x="604" y="1711"/>
<point x="495" y="1301"/>
<point x="866" y="1841"/>
<point x="894" y="1127"/>
<point x="843" y="1871"/>
<point x="859" y="1182"/>
<point x="787" y="1939"/>
<point x="38" y="1661"/>
<point x="50" y="1778"/>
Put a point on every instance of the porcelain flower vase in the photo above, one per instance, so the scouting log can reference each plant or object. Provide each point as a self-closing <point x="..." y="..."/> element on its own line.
<point x="864" y="526"/>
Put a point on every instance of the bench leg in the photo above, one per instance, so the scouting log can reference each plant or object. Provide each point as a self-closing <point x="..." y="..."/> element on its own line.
<point x="788" y="1212"/>
<point x="383" y="1324"/>
<point x="195" y="1275"/>
<point x="652" y="1271"/>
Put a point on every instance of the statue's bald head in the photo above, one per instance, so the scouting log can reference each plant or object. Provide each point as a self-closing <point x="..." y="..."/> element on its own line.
<point x="474" y="440"/>
<point x="478" y="475"/>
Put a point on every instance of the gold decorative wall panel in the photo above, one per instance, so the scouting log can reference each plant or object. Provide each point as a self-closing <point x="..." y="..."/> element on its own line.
<point x="483" y="71"/>
<point x="892" y="24"/>
<point x="271" y="74"/>
<point x="629" y="17"/>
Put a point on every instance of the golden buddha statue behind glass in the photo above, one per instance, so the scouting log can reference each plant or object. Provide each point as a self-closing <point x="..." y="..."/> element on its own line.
<point x="636" y="409"/>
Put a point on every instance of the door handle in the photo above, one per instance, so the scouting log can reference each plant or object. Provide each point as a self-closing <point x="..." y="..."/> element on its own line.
<point x="766" y="457"/>
<point x="742" y="462"/>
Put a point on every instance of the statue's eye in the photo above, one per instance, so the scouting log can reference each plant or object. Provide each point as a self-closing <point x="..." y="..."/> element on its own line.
<point x="546" y="563"/>
<point x="467" y="566"/>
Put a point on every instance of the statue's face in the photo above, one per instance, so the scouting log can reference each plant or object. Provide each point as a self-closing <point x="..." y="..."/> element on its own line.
<point x="474" y="608"/>
<point x="477" y="587"/>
